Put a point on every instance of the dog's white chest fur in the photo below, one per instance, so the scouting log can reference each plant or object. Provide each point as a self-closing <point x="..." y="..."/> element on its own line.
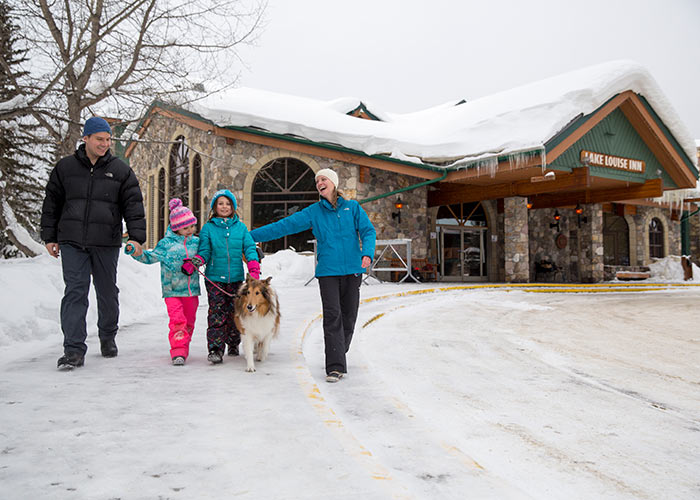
<point x="258" y="326"/>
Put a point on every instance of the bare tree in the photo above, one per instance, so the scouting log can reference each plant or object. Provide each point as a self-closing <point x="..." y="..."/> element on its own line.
<point x="117" y="56"/>
<point x="20" y="151"/>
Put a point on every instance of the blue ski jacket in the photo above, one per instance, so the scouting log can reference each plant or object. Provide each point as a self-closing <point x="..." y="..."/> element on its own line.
<point x="338" y="231"/>
<point x="171" y="252"/>
<point x="222" y="244"/>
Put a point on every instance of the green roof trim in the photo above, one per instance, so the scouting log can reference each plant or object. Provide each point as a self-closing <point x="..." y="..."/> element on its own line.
<point x="688" y="161"/>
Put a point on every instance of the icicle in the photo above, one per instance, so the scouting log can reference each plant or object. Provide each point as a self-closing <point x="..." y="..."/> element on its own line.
<point x="543" y="158"/>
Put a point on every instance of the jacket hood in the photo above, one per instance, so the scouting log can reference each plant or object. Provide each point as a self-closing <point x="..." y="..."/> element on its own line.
<point x="226" y="193"/>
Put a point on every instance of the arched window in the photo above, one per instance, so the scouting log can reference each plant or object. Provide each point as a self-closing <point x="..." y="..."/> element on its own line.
<point x="656" y="238"/>
<point x="283" y="187"/>
<point x="616" y="238"/>
<point x="179" y="173"/>
<point x="197" y="189"/>
<point x="161" y="219"/>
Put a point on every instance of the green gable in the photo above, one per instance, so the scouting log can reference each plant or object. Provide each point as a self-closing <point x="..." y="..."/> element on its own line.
<point x="616" y="136"/>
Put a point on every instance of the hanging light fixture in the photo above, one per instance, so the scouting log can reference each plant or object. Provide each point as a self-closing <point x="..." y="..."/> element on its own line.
<point x="579" y="212"/>
<point x="398" y="205"/>
<point x="557" y="217"/>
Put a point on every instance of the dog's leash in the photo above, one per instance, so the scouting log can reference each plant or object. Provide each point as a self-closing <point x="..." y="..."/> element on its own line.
<point x="215" y="285"/>
<point x="129" y="249"/>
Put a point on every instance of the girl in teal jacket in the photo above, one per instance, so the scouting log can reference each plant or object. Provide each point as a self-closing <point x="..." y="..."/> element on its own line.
<point x="223" y="241"/>
<point x="179" y="283"/>
<point x="339" y="225"/>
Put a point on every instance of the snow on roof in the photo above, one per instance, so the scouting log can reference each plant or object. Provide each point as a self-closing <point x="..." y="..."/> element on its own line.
<point x="510" y="122"/>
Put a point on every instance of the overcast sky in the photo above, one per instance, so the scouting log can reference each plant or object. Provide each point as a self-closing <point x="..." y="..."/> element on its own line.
<point x="407" y="55"/>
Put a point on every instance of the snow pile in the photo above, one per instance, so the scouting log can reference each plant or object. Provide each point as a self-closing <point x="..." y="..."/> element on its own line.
<point x="287" y="268"/>
<point x="670" y="269"/>
<point x="513" y="122"/>
<point x="31" y="292"/>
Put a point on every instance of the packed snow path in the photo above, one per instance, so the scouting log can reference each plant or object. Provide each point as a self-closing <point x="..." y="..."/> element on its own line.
<point x="463" y="394"/>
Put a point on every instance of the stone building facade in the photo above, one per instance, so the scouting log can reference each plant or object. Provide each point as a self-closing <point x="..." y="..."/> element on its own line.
<point x="488" y="238"/>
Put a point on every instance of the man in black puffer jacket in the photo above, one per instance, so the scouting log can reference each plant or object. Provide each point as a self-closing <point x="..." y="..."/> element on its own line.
<point x="87" y="196"/>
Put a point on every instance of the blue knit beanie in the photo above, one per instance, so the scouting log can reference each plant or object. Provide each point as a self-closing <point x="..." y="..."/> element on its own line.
<point x="96" y="124"/>
<point x="223" y="192"/>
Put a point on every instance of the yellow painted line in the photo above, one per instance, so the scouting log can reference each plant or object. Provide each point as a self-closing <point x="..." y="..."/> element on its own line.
<point x="539" y="287"/>
<point x="330" y="419"/>
<point x="462" y="457"/>
<point x="596" y="290"/>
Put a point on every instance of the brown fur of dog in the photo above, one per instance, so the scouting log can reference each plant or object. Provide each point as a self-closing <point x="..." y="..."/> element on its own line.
<point x="257" y="317"/>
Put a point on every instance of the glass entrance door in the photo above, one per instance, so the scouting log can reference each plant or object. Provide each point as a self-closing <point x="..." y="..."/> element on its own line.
<point x="473" y="254"/>
<point x="463" y="254"/>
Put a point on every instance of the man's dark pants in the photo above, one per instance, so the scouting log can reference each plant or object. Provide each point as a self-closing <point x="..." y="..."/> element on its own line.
<point x="79" y="264"/>
<point x="340" y="297"/>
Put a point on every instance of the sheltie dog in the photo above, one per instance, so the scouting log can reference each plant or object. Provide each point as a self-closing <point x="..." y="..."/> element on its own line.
<point x="257" y="316"/>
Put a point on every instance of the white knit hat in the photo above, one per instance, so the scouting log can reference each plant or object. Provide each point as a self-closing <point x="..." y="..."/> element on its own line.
<point x="327" y="172"/>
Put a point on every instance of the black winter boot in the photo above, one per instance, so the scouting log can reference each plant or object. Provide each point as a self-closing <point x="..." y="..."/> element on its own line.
<point x="109" y="348"/>
<point x="70" y="360"/>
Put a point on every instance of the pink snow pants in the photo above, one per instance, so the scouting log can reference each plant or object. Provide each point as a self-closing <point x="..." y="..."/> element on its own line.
<point x="182" y="312"/>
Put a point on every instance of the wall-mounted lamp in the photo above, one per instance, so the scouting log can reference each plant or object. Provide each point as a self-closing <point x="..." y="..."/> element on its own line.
<point x="529" y="204"/>
<point x="557" y="217"/>
<point x="398" y="205"/>
<point x="579" y="212"/>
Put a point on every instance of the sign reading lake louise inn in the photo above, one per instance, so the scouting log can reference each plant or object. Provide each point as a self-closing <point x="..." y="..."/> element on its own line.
<point x="610" y="161"/>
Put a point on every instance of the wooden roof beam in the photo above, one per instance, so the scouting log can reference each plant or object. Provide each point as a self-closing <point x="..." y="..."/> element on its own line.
<point x="447" y="194"/>
<point x="650" y="189"/>
<point x="654" y="137"/>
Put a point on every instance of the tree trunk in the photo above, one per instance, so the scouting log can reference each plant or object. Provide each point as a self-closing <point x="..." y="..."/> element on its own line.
<point x="18" y="235"/>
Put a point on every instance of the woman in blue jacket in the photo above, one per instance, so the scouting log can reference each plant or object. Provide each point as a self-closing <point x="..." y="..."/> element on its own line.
<point x="223" y="241"/>
<point x="338" y="226"/>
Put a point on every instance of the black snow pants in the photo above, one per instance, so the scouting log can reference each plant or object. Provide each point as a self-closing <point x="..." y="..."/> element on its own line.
<point x="340" y="297"/>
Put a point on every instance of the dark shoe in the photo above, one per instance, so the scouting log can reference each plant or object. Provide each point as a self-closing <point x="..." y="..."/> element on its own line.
<point x="70" y="360"/>
<point x="333" y="377"/>
<point x="215" y="357"/>
<point x="233" y="350"/>
<point x="109" y="348"/>
<point x="178" y="360"/>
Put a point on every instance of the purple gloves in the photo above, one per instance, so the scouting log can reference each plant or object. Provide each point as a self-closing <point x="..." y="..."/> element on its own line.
<point x="198" y="260"/>
<point x="254" y="269"/>
<point x="188" y="267"/>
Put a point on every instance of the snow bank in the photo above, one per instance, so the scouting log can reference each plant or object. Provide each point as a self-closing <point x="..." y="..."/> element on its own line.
<point x="287" y="268"/>
<point x="669" y="269"/>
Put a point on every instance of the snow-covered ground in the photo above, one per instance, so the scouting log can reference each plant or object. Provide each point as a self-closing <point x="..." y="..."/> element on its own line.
<point x="457" y="393"/>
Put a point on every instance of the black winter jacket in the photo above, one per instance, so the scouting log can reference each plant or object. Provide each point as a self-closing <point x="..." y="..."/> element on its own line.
<point x="85" y="204"/>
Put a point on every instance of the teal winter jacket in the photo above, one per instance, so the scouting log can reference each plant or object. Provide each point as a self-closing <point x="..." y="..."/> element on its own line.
<point x="222" y="244"/>
<point x="170" y="252"/>
<point x="338" y="232"/>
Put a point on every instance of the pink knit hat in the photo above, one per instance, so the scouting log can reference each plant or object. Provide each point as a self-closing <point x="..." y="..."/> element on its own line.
<point x="180" y="215"/>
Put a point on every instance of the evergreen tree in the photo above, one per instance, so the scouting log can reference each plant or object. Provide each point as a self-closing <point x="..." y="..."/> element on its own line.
<point x="22" y="169"/>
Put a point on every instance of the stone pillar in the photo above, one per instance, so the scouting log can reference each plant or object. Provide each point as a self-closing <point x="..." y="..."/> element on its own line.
<point x="591" y="236"/>
<point x="517" y="246"/>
